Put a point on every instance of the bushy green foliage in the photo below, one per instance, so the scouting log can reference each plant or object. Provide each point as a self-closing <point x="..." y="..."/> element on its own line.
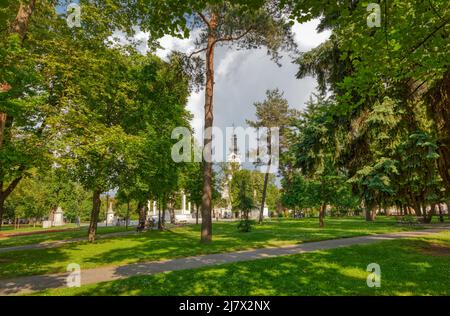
<point x="245" y="225"/>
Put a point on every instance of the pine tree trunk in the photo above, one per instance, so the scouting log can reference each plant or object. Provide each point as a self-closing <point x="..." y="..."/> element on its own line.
<point x="206" y="229"/>
<point x="96" y="204"/>
<point x="322" y="215"/>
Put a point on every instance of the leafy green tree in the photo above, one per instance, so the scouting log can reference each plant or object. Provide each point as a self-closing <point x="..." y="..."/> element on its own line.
<point x="242" y="191"/>
<point x="274" y="112"/>
<point x="228" y="23"/>
<point x="388" y="87"/>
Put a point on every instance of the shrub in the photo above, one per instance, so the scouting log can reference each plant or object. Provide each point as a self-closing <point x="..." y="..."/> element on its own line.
<point x="245" y="225"/>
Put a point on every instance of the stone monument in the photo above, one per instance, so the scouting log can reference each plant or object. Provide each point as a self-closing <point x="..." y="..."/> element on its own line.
<point x="110" y="218"/>
<point x="58" y="217"/>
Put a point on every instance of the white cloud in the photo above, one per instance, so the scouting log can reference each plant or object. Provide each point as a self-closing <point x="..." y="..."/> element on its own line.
<point x="170" y="44"/>
<point x="195" y="106"/>
<point x="306" y="35"/>
<point x="242" y="77"/>
<point x="226" y="63"/>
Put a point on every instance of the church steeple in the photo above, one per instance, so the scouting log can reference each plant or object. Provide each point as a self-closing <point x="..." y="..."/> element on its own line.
<point x="234" y="150"/>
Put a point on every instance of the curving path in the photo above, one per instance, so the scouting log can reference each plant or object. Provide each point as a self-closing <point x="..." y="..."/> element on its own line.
<point x="24" y="285"/>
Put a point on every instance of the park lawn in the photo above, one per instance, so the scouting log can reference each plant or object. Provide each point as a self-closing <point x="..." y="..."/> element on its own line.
<point x="184" y="242"/>
<point x="418" y="266"/>
<point x="30" y="228"/>
<point x="54" y="236"/>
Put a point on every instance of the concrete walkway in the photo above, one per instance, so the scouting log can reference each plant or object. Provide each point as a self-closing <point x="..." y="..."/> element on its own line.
<point x="24" y="285"/>
<point x="59" y="243"/>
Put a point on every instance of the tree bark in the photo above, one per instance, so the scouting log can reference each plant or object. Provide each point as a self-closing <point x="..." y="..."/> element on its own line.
<point x="163" y="219"/>
<point x="2" y="208"/>
<point x="4" y="195"/>
<point x="3" y="118"/>
<point x="160" y="225"/>
<point x="20" y="24"/>
<point x="127" y="218"/>
<point x="141" y="208"/>
<point x="264" y="193"/>
<point x="371" y="213"/>
<point x="206" y="229"/>
<point x="172" y="213"/>
<point x="96" y="204"/>
<point x="416" y="207"/>
<point x="441" y="214"/>
<point x="266" y="176"/>
<point x="196" y="215"/>
<point x="322" y="215"/>
<point x="429" y="217"/>
<point x="448" y="210"/>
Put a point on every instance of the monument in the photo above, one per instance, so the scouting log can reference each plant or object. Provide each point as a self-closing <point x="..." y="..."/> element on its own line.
<point x="58" y="217"/>
<point x="110" y="218"/>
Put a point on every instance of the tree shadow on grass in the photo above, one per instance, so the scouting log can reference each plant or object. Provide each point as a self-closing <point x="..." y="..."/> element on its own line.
<point x="404" y="270"/>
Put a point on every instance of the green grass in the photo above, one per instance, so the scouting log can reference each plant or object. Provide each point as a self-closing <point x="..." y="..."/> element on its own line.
<point x="54" y="236"/>
<point x="183" y="242"/>
<point x="419" y="266"/>
<point x="30" y="228"/>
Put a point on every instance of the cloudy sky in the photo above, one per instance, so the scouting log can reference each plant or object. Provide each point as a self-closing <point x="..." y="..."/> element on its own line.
<point x="242" y="78"/>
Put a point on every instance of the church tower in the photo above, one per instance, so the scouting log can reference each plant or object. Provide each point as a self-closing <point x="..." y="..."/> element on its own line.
<point x="234" y="156"/>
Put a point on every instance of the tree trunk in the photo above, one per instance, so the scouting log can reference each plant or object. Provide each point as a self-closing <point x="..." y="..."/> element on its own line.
<point x="196" y="215"/>
<point x="141" y="208"/>
<point x="206" y="229"/>
<point x="2" y="208"/>
<point x="96" y="204"/>
<point x="416" y="206"/>
<point x="127" y="218"/>
<point x="371" y="213"/>
<point x="263" y="202"/>
<point x="4" y="194"/>
<point x="322" y="215"/>
<point x="106" y="210"/>
<point x="429" y="217"/>
<point x="160" y="225"/>
<point x="441" y="214"/>
<point x="448" y="210"/>
<point x="3" y="118"/>
<point x="163" y="219"/>
<point x="266" y="176"/>
<point x="20" y="24"/>
<point x="172" y="213"/>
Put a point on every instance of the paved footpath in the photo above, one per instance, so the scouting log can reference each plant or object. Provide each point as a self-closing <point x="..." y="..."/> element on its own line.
<point x="24" y="285"/>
